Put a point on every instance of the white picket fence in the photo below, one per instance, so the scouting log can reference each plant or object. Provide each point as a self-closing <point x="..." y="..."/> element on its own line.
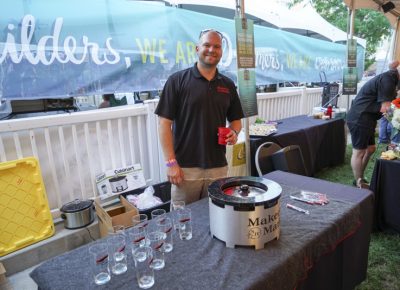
<point x="73" y="148"/>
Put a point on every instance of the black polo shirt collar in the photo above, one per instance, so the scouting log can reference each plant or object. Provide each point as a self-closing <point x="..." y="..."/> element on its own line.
<point x="197" y="74"/>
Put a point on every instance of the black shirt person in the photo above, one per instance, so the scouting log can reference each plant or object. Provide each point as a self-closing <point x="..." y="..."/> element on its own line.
<point x="193" y="104"/>
<point x="372" y="101"/>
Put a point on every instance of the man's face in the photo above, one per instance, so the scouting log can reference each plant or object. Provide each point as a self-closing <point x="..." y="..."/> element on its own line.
<point x="209" y="49"/>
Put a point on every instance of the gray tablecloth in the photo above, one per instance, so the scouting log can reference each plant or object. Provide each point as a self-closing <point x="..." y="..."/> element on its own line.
<point x="205" y="263"/>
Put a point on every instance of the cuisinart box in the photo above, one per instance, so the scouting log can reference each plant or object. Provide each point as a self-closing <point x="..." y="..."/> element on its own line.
<point x="120" y="180"/>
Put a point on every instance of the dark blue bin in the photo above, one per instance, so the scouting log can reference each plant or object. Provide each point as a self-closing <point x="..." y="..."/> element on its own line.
<point x="161" y="190"/>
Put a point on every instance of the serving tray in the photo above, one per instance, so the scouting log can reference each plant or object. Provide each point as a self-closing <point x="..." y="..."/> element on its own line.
<point x="25" y="216"/>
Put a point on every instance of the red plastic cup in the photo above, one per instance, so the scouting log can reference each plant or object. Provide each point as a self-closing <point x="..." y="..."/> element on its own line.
<point x="222" y="132"/>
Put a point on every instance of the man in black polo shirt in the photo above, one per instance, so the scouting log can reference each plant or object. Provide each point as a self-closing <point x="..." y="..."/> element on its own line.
<point x="193" y="104"/>
<point x="371" y="102"/>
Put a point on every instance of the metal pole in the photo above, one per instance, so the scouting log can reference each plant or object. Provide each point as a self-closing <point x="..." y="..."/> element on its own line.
<point x="352" y="12"/>
<point x="241" y="13"/>
<point x="242" y="9"/>
<point x="237" y="11"/>
<point x="350" y="31"/>
<point x="395" y="54"/>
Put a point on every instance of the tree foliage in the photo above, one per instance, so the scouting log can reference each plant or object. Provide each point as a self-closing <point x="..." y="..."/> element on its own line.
<point x="371" y="25"/>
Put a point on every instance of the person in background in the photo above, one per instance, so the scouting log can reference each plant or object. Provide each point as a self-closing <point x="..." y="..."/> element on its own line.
<point x="386" y="127"/>
<point x="106" y="101"/>
<point x="109" y="100"/>
<point x="385" y="131"/>
<point x="370" y="104"/>
<point x="193" y="104"/>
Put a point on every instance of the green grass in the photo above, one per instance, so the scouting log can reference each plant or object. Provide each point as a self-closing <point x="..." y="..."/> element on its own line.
<point x="383" y="263"/>
<point x="343" y="174"/>
<point x="384" y="252"/>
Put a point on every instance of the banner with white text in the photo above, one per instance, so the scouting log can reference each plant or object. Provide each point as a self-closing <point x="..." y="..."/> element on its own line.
<point x="53" y="49"/>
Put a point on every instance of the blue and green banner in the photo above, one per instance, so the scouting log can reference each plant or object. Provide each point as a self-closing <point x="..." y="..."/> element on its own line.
<point x="51" y="49"/>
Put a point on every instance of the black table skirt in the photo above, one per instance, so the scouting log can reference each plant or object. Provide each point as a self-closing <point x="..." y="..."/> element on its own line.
<point x="322" y="142"/>
<point x="327" y="249"/>
<point x="385" y="183"/>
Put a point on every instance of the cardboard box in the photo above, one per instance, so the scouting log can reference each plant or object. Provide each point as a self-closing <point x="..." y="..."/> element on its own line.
<point x="120" y="214"/>
<point x="2" y="273"/>
<point x="4" y="283"/>
<point x="113" y="182"/>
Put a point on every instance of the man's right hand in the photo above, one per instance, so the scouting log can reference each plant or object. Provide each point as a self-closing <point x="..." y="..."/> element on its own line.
<point x="175" y="174"/>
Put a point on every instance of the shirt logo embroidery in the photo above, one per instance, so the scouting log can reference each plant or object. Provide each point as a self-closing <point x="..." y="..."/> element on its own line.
<point x="222" y="90"/>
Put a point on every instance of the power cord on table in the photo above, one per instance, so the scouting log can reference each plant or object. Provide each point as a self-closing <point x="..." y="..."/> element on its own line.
<point x="90" y="235"/>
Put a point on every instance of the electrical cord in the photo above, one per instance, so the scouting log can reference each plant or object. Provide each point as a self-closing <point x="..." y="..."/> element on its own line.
<point x="90" y="235"/>
<point x="330" y="100"/>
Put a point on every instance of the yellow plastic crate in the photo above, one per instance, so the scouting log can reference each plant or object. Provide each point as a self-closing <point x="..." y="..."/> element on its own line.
<point x="25" y="216"/>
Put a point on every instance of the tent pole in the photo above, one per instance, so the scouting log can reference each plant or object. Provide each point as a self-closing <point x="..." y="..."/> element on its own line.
<point x="240" y="12"/>
<point x="351" y="28"/>
<point x="350" y="31"/>
<point x="396" y="38"/>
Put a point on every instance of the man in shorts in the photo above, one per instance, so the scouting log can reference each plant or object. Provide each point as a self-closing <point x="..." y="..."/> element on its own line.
<point x="372" y="101"/>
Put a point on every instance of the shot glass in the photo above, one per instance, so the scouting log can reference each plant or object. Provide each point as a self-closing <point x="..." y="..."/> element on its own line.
<point x="137" y="237"/>
<point x="117" y="253"/>
<point x="185" y="223"/>
<point x="143" y="257"/>
<point x="166" y="228"/>
<point x="158" y="214"/>
<point x="175" y="205"/>
<point x="156" y="241"/>
<point x="100" y="263"/>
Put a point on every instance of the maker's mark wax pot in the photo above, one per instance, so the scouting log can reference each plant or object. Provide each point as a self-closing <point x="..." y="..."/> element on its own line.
<point x="244" y="211"/>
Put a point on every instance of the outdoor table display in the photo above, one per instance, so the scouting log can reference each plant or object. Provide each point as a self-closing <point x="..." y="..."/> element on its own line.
<point x="385" y="183"/>
<point x="322" y="142"/>
<point x="327" y="249"/>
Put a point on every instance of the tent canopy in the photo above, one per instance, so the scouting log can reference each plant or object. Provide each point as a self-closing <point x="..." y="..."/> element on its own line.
<point x="393" y="16"/>
<point x="376" y="5"/>
<point x="300" y="19"/>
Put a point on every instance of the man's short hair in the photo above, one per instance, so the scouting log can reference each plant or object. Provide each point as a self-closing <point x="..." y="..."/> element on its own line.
<point x="204" y="31"/>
